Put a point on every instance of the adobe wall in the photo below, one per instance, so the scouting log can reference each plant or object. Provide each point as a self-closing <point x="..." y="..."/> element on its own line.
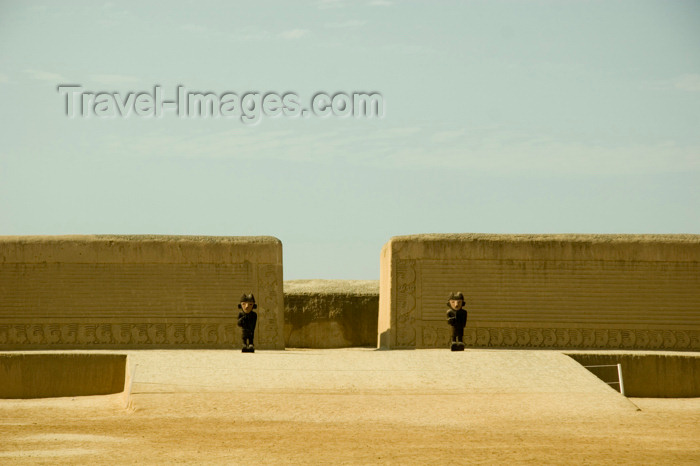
<point x="45" y="375"/>
<point x="330" y="313"/>
<point x="104" y="291"/>
<point x="543" y="291"/>
<point x="647" y="375"/>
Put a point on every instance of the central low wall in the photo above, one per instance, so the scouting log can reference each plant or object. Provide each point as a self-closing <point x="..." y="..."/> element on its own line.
<point x="330" y="313"/>
<point x="106" y="291"/>
<point x="543" y="291"/>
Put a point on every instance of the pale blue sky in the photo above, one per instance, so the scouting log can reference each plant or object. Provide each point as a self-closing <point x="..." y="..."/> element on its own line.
<point x="500" y="117"/>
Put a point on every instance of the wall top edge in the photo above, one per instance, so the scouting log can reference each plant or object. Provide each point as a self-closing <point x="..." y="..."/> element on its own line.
<point x="178" y="239"/>
<point x="120" y="249"/>
<point x="332" y="287"/>
<point x="680" y="238"/>
<point x="560" y="247"/>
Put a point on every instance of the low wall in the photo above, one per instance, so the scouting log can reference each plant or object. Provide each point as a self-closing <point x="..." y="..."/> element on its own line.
<point x="107" y="291"/>
<point x="543" y="291"/>
<point x="54" y="375"/>
<point x="648" y="375"/>
<point x="330" y="313"/>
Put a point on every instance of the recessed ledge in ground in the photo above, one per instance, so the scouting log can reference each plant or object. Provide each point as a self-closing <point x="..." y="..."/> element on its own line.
<point x="52" y="375"/>
<point x="647" y="375"/>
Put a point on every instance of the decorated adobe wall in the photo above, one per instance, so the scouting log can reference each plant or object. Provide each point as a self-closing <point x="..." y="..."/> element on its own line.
<point x="543" y="291"/>
<point x="104" y="291"/>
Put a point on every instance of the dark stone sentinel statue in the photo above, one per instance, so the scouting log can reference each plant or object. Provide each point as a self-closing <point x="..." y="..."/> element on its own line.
<point x="457" y="318"/>
<point x="247" y="318"/>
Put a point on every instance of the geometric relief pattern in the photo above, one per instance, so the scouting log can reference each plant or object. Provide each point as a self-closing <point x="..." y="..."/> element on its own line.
<point x="567" y="338"/>
<point x="117" y="334"/>
<point x="270" y="312"/>
<point x="406" y="303"/>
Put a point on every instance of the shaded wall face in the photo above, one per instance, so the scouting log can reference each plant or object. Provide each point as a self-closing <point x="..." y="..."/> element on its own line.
<point x="553" y="292"/>
<point x="647" y="375"/>
<point x="328" y="320"/>
<point x="45" y="375"/>
<point x="136" y="292"/>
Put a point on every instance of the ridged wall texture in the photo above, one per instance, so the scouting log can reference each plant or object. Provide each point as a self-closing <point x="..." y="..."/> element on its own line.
<point x="543" y="291"/>
<point x="103" y="291"/>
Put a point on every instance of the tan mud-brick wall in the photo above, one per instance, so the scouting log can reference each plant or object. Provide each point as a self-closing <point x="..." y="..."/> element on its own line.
<point x="102" y="291"/>
<point x="57" y="374"/>
<point x="543" y="291"/>
<point x="646" y="375"/>
<point x="330" y="313"/>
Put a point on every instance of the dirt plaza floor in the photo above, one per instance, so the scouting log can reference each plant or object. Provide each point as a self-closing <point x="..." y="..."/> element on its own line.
<point x="353" y="406"/>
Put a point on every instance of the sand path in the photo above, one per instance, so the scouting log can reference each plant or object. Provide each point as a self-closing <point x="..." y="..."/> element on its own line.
<point x="353" y="406"/>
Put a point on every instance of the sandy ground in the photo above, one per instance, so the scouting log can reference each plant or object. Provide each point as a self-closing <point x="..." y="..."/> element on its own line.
<point x="353" y="406"/>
